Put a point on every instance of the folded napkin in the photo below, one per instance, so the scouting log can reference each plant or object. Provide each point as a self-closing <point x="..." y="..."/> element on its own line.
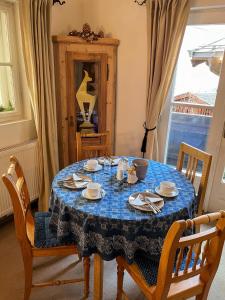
<point x="80" y="184"/>
<point x="73" y="184"/>
<point x="140" y="200"/>
<point x="74" y="181"/>
<point x="76" y="177"/>
<point x="153" y="199"/>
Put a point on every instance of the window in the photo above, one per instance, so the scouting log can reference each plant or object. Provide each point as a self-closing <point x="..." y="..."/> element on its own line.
<point x="9" y="80"/>
<point x="195" y="89"/>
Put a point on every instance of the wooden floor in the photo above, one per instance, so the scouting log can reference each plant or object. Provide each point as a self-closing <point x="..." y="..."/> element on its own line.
<point x="11" y="275"/>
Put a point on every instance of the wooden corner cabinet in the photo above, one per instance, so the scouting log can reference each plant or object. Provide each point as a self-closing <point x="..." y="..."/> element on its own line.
<point x="85" y="75"/>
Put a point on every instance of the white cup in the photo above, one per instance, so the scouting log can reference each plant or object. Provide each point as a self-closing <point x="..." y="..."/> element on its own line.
<point x="93" y="189"/>
<point x="167" y="187"/>
<point x="92" y="164"/>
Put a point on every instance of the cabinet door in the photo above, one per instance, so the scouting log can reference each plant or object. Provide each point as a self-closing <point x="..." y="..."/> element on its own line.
<point x="86" y="96"/>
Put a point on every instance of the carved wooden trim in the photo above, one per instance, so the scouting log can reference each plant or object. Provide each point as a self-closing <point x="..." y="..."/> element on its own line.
<point x="79" y="40"/>
<point x="87" y="34"/>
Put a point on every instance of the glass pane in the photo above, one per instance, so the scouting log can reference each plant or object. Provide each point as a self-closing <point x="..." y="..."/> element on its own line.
<point x="196" y="84"/>
<point x="86" y="89"/>
<point x="7" y="97"/>
<point x="4" y="38"/>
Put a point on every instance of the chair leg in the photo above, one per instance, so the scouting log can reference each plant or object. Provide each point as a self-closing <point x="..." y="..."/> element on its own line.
<point x="199" y="297"/>
<point x="202" y="296"/>
<point x="120" y="274"/>
<point x="28" y="266"/>
<point x="86" y="263"/>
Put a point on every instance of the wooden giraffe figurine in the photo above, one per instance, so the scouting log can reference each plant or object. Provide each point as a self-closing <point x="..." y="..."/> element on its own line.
<point x="83" y="97"/>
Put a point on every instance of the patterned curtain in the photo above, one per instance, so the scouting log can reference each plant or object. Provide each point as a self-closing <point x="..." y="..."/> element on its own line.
<point x="37" y="50"/>
<point x="167" y="21"/>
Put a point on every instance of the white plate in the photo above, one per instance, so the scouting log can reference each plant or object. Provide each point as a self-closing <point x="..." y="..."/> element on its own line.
<point x="85" y="195"/>
<point x="75" y="185"/>
<point x="98" y="168"/>
<point x="138" y="204"/>
<point x="170" y="195"/>
<point x="115" y="162"/>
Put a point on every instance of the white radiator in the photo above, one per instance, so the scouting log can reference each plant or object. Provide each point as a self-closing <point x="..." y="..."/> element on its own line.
<point x="28" y="157"/>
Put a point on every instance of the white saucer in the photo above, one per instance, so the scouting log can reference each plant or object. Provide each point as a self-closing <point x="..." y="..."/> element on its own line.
<point x="85" y="195"/>
<point x="115" y="161"/>
<point x="98" y="168"/>
<point x="168" y="195"/>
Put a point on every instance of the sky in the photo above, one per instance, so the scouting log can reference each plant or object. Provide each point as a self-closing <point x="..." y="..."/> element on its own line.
<point x="197" y="79"/>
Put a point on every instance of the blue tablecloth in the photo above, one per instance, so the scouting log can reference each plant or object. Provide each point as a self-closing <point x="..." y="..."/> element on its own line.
<point x="110" y="226"/>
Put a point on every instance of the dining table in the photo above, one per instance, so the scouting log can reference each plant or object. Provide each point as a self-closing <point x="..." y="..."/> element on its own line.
<point x="110" y="227"/>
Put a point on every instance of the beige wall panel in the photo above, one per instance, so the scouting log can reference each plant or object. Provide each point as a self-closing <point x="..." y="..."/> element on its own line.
<point x="125" y="20"/>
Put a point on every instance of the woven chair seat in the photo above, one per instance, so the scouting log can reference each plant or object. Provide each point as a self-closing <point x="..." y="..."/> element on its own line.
<point x="149" y="268"/>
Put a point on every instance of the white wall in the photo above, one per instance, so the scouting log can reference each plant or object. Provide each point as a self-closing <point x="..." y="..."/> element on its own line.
<point x="66" y="17"/>
<point x="126" y="21"/>
<point x="207" y="3"/>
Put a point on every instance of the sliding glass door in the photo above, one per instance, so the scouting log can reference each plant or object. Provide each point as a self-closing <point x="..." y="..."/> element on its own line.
<point x="195" y="89"/>
<point x="195" y="110"/>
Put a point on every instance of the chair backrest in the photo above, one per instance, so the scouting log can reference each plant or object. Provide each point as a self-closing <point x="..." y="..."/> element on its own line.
<point x="190" y="256"/>
<point x="194" y="157"/>
<point x="16" y="185"/>
<point x="91" y="145"/>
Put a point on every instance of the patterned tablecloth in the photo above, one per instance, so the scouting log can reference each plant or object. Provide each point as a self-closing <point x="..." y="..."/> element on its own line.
<point x="110" y="226"/>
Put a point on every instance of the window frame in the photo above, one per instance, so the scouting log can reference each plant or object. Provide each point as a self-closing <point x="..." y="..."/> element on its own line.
<point x="16" y="114"/>
<point x="199" y="15"/>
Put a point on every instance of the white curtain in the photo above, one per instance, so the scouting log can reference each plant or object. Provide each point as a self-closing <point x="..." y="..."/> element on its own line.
<point x="35" y="18"/>
<point x="167" y="21"/>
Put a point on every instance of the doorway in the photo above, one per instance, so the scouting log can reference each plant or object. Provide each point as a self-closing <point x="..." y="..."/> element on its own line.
<point x="195" y="110"/>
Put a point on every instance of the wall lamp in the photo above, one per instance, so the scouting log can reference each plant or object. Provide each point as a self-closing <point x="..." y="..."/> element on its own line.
<point x="59" y="2"/>
<point x="140" y="2"/>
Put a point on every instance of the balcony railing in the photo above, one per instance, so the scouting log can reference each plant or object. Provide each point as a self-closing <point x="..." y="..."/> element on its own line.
<point x="190" y="123"/>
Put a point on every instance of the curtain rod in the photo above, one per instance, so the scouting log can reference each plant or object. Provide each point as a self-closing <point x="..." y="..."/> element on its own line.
<point x="139" y="2"/>
<point x="197" y="8"/>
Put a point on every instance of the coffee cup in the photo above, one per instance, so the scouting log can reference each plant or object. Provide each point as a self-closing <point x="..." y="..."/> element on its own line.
<point x="92" y="164"/>
<point x="167" y="187"/>
<point x="93" y="189"/>
<point x="141" y="167"/>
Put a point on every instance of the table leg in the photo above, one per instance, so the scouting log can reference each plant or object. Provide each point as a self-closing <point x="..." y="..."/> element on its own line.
<point x="98" y="277"/>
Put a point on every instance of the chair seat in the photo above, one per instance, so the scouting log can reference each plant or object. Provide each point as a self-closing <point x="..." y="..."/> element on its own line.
<point x="149" y="268"/>
<point x="44" y="237"/>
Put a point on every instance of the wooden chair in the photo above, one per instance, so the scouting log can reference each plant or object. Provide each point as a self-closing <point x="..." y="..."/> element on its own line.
<point x="178" y="275"/>
<point x="194" y="156"/>
<point x="32" y="233"/>
<point x="91" y="145"/>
